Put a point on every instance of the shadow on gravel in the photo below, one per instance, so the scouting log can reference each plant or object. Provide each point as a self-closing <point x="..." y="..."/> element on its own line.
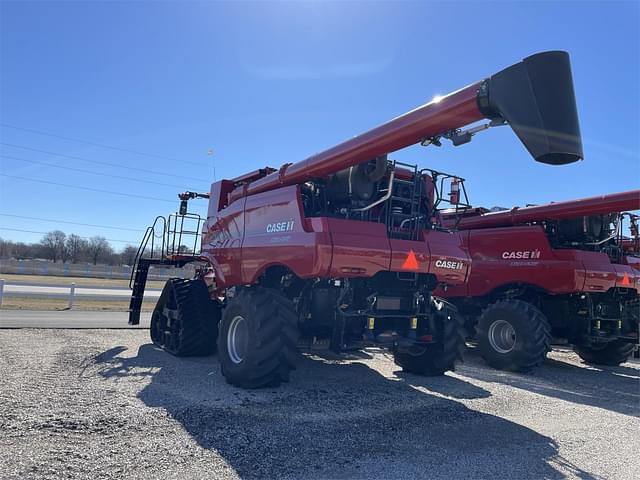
<point x="444" y="385"/>
<point x="336" y="420"/>
<point x="613" y="388"/>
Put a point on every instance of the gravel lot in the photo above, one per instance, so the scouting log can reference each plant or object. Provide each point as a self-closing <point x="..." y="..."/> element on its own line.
<point x="107" y="404"/>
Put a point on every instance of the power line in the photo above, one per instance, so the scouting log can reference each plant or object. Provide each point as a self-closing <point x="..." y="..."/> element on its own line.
<point x="85" y="238"/>
<point x="101" y="145"/>
<point x="82" y="170"/>
<point x="70" y="223"/>
<point x="99" y="162"/>
<point x="86" y="188"/>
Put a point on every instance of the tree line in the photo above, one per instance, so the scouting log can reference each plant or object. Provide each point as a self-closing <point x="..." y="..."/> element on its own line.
<point x="57" y="246"/>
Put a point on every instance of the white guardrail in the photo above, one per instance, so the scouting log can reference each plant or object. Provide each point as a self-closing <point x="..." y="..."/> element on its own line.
<point x="70" y="292"/>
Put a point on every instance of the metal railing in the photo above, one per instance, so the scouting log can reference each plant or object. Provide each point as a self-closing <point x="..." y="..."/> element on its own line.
<point x="175" y="235"/>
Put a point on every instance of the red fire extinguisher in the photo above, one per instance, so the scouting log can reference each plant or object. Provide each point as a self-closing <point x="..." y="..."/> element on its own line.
<point x="454" y="194"/>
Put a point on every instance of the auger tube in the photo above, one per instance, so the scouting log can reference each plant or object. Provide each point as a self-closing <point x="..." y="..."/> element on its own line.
<point x="534" y="96"/>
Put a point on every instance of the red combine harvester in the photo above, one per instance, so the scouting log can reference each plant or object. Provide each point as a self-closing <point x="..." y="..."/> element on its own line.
<point x="343" y="250"/>
<point x="562" y="269"/>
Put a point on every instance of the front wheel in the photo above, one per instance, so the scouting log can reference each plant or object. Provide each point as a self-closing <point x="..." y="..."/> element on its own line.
<point x="513" y="335"/>
<point x="439" y="357"/>
<point x="257" y="338"/>
<point x="611" y="353"/>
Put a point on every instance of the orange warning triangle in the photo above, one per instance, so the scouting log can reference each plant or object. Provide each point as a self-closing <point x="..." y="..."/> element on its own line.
<point x="411" y="262"/>
<point x="625" y="279"/>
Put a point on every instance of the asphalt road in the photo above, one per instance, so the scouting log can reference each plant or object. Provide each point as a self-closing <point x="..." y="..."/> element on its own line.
<point x="69" y="319"/>
<point x="107" y="404"/>
<point x="57" y="291"/>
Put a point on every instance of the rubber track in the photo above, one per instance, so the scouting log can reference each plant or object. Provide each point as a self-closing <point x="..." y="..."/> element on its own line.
<point x="198" y="317"/>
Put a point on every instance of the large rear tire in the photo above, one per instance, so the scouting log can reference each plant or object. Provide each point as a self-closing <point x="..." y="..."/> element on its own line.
<point x="257" y="338"/>
<point x="184" y="321"/>
<point x="436" y="358"/>
<point x="513" y="335"/>
<point x="611" y="353"/>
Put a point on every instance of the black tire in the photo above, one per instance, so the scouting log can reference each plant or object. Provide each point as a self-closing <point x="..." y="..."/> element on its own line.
<point x="266" y="349"/>
<point x="437" y="358"/>
<point x="185" y="320"/>
<point x="528" y="338"/>
<point x="611" y="353"/>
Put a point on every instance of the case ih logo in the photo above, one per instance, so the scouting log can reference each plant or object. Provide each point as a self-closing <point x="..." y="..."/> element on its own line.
<point x="280" y="227"/>
<point x="449" y="264"/>
<point x="521" y="254"/>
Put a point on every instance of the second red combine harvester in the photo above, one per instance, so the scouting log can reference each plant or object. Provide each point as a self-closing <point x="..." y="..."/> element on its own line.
<point x="343" y="249"/>
<point x="564" y="270"/>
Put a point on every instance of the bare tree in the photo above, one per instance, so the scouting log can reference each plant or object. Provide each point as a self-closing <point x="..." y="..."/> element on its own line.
<point x="64" y="251"/>
<point x="97" y="248"/>
<point x="75" y="247"/>
<point x="128" y="255"/>
<point x="24" y="250"/>
<point x="48" y="243"/>
<point x="184" y="249"/>
<point x="5" y="248"/>
<point x="54" y="245"/>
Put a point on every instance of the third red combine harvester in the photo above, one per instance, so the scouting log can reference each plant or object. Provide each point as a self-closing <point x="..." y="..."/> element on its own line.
<point x="343" y="249"/>
<point x="564" y="269"/>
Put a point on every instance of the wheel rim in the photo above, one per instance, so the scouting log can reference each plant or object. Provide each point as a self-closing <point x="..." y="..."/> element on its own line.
<point x="238" y="339"/>
<point x="502" y="336"/>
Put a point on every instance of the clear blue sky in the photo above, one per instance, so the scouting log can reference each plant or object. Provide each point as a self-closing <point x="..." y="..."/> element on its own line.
<point x="267" y="83"/>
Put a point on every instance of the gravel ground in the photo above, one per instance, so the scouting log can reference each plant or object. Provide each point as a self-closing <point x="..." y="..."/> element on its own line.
<point x="107" y="404"/>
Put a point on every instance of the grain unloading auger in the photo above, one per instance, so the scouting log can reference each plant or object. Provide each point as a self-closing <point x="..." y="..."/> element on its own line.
<point x="563" y="269"/>
<point x="590" y="208"/>
<point x="343" y="249"/>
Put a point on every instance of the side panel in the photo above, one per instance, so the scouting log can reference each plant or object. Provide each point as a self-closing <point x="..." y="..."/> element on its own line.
<point x="601" y="274"/>
<point x="222" y="243"/>
<point x="450" y="263"/>
<point x="275" y="234"/>
<point x="359" y="248"/>
<point x="410" y="256"/>
<point x="439" y="253"/>
<point x="501" y="256"/>
<point x="629" y="274"/>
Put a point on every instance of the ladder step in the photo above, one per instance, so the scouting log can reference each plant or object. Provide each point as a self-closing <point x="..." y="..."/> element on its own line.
<point x="402" y="199"/>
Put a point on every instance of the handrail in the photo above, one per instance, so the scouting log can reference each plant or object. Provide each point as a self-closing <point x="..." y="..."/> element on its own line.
<point x="175" y="235"/>
<point x="149" y="234"/>
<point x="171" y="231"/>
